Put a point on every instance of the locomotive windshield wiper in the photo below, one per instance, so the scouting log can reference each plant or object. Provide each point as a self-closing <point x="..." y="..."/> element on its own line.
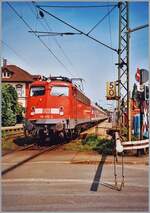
<point x="61" y="94"/>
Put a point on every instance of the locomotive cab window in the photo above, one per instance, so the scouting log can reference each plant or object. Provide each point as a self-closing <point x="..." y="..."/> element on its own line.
<point x="59" y="91"/>
<point x="37" y="91"/>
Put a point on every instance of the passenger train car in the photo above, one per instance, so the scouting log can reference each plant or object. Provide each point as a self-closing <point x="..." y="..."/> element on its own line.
<point x="57" y="107"/>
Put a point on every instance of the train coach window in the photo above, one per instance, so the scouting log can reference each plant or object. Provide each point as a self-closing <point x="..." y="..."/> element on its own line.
<point x="59" y="91"/>
<point x="37" y="91"/>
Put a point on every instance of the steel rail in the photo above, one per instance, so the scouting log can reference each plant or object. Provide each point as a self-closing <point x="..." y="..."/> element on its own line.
<point x="16" y="150"/>
<point x="5" y="171"/>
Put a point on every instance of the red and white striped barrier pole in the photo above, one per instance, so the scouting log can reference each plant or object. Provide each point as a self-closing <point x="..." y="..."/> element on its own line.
<point x="131" y="145"/>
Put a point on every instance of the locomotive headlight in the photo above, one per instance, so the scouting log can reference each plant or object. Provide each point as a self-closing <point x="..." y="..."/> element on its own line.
<point x="61" y="111"/>
<point x="32" y="110"/>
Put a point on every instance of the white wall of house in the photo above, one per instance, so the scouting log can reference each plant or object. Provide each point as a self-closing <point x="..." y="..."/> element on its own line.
<point x="21" y="91"/>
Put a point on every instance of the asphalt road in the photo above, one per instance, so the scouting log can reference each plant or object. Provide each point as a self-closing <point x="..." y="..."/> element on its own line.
<point x="57" y="185"/>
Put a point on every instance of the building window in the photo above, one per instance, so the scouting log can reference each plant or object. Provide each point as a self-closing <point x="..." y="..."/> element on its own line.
<point x="19" y="89"/>
<point x="6" y="74"/>
<point x="3" y="74"/>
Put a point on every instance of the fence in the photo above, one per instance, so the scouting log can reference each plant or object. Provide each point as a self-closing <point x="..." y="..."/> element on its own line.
<point x="10" y="133"/>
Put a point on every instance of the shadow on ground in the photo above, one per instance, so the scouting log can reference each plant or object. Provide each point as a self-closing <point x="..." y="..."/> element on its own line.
<point x="96" y="180"/>
<point x="22" y="141"/>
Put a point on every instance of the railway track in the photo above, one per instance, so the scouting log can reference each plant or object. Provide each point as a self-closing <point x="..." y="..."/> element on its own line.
<point x="19" y="149"/>
<point x="53" y="147"/>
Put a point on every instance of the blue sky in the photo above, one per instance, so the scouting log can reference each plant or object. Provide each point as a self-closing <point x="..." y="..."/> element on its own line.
<point x="83" y="57"/>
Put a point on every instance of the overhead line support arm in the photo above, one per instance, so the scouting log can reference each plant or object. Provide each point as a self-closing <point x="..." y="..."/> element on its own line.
<point x="137" y="28"/>
<point x="94" y="39"/>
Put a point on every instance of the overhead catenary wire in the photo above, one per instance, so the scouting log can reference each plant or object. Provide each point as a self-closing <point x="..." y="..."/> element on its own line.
<point x="44" y="44"/>
<point x="76" y="6"/>
<point x="109" y="24"/>
<point x="101" y="20"/>
<point x="35" y="13"/>
<point x="110" y="32"/>
<point x="14" y="51"/>
<point x="42" y="33"/>
<point x="82" y="33"/>
<point x="56" y="41"/>
<point x="60" y="46"/>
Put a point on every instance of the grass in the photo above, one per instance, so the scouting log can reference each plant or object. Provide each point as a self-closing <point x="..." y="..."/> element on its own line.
<point x="91" y="143"/>
<point x="8" y="145"/>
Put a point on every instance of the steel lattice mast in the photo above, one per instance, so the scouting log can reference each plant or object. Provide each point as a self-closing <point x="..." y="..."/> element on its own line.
<point x="123" y="69"/>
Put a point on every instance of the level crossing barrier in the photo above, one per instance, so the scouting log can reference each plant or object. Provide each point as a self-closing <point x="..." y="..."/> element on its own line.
<point x="131" y="145"/>
<point x="120" y="147"/>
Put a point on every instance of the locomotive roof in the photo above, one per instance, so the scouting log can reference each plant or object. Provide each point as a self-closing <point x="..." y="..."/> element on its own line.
<point x="48" y="82"/>
<point x="45" y="80"/>
<point x="60" y="78"/>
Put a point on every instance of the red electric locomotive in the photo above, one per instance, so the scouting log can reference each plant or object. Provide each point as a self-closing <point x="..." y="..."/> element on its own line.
<point x="56" y="108"/>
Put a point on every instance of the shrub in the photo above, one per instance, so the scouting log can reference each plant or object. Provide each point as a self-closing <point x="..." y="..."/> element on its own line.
<point x="10" y="107"/>
<point x="105" y="147"/>
<point x="101" y="145"/>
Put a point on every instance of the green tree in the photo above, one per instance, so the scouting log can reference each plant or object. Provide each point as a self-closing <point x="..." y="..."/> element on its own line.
<point x="10" y="107"/>
<point x="20" y="111"/>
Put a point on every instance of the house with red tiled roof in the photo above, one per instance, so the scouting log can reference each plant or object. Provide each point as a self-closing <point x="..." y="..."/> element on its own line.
<point x="20" y="79"/>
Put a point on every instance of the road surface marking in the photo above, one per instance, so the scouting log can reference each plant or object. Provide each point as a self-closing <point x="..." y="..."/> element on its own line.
<point x="39" y="162"/>
<point x="42" y="180"/>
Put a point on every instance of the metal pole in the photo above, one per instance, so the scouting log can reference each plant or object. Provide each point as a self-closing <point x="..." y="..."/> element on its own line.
<point x="123" y="69"/>
<point x="141" y="151"/>
<point x="141" y="109"/>
<point x="119" y="61"/>
<point x="138" y="28"/>
<point x="128" y="80"/>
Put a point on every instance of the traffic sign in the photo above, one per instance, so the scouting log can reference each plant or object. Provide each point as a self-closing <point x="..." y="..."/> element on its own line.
<point x="111" y="90"/>
<point x="144" y="76"/>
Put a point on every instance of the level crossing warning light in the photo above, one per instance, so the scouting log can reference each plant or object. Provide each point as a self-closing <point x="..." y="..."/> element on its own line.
<point x="146" y="92"/>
